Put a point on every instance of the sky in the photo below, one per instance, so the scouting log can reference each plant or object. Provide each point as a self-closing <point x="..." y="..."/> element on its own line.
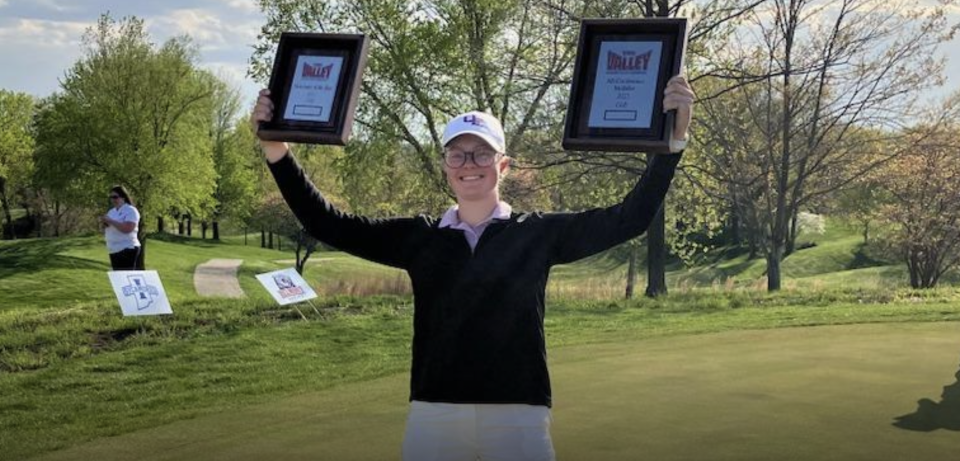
<point x="40" y="39"/>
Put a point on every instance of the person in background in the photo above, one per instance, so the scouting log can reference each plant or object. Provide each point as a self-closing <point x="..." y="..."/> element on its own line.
<point x="120" y="226"/>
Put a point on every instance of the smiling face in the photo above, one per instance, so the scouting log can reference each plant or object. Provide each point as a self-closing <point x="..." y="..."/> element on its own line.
<point x="471" y="182"/>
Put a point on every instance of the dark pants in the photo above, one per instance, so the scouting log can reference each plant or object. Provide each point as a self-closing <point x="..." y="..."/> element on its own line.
<point x="125" y="260"/>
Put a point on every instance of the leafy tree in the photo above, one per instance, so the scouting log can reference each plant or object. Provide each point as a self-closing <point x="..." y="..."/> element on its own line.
<point x="430" y="60"/>
<point x="16" y="148"/>
<point x="862" y="202"/>
<point x="235" y="189"/>
<point x="130" y="113"/>
<point x="922" y="215"/>
<point x="819" y="74"/>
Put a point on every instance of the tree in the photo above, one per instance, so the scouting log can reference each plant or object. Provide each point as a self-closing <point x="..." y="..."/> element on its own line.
<point x="592" y="182"/>
<point x="430" y="60"/>
<point x="699" y="214"/>
<point x="134" y="114"/>
<point x="862" y="201"/>
<point x="16" y="148"/>
<point x="232" y="139"/>
<point x="824" y="77"/>
<point x="922" y="214"/>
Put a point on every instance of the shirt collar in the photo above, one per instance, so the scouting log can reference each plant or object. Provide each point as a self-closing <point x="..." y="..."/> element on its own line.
<point x="452" y="219"/>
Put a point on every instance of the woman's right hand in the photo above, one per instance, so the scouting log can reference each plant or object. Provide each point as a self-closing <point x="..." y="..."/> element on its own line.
<point x="263" y="112"/>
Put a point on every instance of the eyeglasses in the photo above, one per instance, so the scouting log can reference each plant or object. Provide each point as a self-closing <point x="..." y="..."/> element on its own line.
<point x="458" y="158"/>
<point x="114" y="197"/>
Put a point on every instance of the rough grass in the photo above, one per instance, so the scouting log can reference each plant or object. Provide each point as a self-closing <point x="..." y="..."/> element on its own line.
<point x="59" y="273"/>
<point x="837" y="259"/>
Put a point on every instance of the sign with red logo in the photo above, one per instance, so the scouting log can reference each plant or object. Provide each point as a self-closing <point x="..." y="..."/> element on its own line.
<point x="286" y="286"/>
<point x="628" y="62"/>
<point x="619" y="77"/>
<point x="313" y="88"/>
<point x="626" y="85"/>
<point x="316" y="72"/>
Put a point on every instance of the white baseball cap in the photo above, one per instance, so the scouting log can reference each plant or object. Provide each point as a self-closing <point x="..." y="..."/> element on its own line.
<point x="481" y="124"/>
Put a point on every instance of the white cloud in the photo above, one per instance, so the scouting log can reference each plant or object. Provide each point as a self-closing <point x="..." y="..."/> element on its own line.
<point x="952" y="9"/>
<point x="245" y="6"/>
<point x="202" y="26"/>
<point x="206" y="27"/>
<point x="55" y="5"/>
<point x="41" y="39"/>
<point x="37" y="53"/>
<point x="43" y="33"/>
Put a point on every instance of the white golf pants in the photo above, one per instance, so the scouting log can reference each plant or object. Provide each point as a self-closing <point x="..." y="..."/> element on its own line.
<point x="471" y="432"/>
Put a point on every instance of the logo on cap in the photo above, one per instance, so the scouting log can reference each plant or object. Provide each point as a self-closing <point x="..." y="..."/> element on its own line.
<point x="474" y="120"/>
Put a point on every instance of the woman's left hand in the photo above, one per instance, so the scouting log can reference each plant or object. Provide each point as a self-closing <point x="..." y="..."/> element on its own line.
<point x="679" y="96"/>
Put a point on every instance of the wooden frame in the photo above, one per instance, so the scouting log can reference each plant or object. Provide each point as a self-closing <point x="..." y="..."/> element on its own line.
<point x="315" y="85"/>
<point x="622" y="110"/>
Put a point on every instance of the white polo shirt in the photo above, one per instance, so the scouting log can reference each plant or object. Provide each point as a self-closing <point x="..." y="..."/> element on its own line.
<point x="119" y="241"/>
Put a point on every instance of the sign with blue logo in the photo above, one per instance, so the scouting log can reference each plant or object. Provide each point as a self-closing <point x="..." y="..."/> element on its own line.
<point x="140" y="292"/>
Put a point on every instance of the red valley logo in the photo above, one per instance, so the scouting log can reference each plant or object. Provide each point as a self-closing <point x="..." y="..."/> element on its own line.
<point x="291" y="292"/>
<point x="287" y="288"/>
<point x="318" y="72"/>
<point x="629" y="61"/>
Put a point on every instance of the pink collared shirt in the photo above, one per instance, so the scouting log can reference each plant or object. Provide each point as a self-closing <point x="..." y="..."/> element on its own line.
<point x="452" y="220"/>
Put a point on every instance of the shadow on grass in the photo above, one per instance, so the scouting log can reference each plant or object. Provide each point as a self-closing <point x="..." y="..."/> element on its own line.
<point x="41" y="254"/>
<point x="931" y="415"/>
<point x="714" y="273"/>
<point x="862" y="258"/>
<point x="184" y="240"/>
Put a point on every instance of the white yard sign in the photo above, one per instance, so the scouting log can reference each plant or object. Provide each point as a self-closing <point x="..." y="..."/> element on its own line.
<point x="286" y="286"/>
<point x="140" y="292"/>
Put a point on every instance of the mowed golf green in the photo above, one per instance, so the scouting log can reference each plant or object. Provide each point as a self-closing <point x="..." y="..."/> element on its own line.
<point x="814" y="393"/>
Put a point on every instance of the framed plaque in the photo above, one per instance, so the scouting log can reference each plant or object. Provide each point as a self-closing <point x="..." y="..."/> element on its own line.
<point x="314" y="86"/>
<point x="621" y="71"/>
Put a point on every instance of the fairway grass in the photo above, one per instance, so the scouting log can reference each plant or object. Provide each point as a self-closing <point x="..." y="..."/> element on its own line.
<point x="824" y="393"/>
<point x="216" y="356"/>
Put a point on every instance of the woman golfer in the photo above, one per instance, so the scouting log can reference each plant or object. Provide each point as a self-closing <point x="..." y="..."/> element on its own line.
<point x="120" y="227"/>
<point x="479" y="386"/>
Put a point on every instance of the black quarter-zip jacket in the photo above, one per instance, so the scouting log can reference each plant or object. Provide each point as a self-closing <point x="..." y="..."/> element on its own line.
<point x="478" y="316"/>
